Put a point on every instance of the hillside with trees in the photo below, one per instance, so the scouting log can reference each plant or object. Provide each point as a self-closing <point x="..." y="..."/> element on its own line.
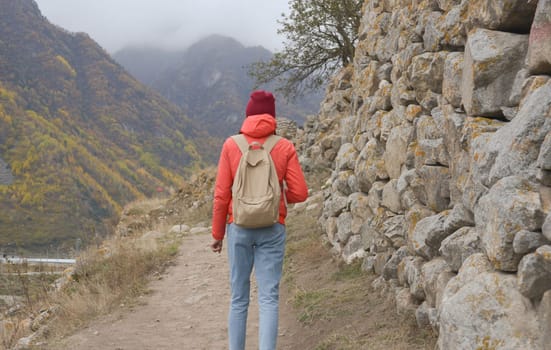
<point x="80" y="136"/>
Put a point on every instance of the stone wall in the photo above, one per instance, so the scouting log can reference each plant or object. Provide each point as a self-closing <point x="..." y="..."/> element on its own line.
<point x="438" y="137"/>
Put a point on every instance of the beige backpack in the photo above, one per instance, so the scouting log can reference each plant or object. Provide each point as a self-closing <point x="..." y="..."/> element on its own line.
<point x="256" y="191"/>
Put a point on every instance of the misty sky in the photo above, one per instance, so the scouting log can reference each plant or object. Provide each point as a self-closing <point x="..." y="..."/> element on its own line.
<point x="115" y="24"/>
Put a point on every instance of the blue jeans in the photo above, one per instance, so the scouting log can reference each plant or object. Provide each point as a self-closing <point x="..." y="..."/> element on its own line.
<point x="264" y="248"/>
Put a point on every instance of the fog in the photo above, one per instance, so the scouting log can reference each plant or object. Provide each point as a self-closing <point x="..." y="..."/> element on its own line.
<point x="170" y="24"/>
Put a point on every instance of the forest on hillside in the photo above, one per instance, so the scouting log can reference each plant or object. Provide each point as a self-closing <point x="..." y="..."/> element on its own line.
<point x="80" y="135"/>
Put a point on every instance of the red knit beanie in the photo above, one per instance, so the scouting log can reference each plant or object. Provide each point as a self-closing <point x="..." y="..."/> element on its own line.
<point x="261" y="102"/>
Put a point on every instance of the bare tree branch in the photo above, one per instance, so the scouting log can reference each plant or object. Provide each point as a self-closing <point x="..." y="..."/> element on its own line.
<point x="320" y="38"/>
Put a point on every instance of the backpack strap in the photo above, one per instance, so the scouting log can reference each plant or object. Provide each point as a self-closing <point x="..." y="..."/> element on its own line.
<point x="271" y="142"/>
<point x="243" y="145"/>
<point x="241" y="142"/>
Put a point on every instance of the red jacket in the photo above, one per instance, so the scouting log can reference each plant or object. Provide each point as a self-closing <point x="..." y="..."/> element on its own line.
<point x="256" y="128"/>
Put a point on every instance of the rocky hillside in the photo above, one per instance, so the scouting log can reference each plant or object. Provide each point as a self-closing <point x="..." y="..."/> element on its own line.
<point x="79" y="137"/>
<point x="438" y="137"/>
<point x="210" y="82"/>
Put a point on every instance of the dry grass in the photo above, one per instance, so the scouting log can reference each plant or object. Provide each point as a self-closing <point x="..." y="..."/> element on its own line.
<point x="144" y="206"/>
<point x="334" y="303"/>
<point x="104" y="279"/>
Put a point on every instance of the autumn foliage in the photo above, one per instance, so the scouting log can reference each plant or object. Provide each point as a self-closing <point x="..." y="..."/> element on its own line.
<point x="81" y="136"/>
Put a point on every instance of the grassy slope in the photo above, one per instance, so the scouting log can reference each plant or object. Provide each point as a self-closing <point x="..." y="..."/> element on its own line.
<point x="333" y="304"/>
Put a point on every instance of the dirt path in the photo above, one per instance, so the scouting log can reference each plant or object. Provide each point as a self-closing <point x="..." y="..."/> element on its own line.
<point x="187" y="309"/>
<point x="323" y="305"/>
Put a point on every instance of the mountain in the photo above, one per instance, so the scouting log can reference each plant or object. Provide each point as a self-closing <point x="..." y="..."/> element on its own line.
<point x="145" y="63"/>
<point x="210" y="81"/>
<point x="79" y="136"/>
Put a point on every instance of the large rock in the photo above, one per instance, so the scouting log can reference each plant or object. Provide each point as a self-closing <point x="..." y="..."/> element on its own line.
<point x="429" y="229"/>
<point x="446" y="29"/>
<point x="431" y="270"/>
<point x="346" y="158"/>
<point x="344" y="227"/>
<point x="488" y="312"/>
<point x="452" y="125"/>
<point x="525" y="85"/>
<point x="366" y="81"/>
<point x="402" y="94"/>
<point x="387" y="45"/>
<point x="544" y="317"/>
<point x="544" y="158"/>
<point x="442" y="281"/>
<point x="381" y="260"/>
<point x="437" y="186"/>
<point x="372" y="240"/>
<point x="506" y="15"/>
<point x="179" y="229"/>
<point x="426" y="73"/>
<point x="476" y="138"/>
<point x="370" y="166"/>
<point x="396" y="147"/>
<point x="391" y="197"/>
<point x="335" y="205"/>
<point x="539" y="50"/>
<point x="395" y="229"/>
<point x="422" y="315"/>
<point x="410" y="180"/>
<point x="353" y="249"/>
<point x="456" y="248"/>
<point x="451" y="84"/>
<point x="516" y="146"/>
<point x="402" y="60"/>
<point x="492" y="60"/>
<point x="431" y="152"/>
<point x="390" y="270"/>
<point x="407" y="196"/>
<point x="458" y="217"/>
<point x="411" y="270"/>
<point x="375" y="195"/>
<point x="371" y="124"/>
<point x="359" y="206"/>
<point x="546" y="227"/>
<point x="511" y="205"/>
<point x="342" y="181"/>
<point x="414" y="215"/>
<point x="382" y="100"/>
<point x="446" y="5"/>
<point x="389" y="121"/>
<point x="331" y="229"/>
<point x="430" y="148"/>
<point x="430" y="127"/>
<point x="534" y="273"/>
<point x="474" y="265"/>
<point x="528" y="241"/>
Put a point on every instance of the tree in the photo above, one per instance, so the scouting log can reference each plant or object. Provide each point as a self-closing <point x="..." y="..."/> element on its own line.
<point x="320" y="37"/>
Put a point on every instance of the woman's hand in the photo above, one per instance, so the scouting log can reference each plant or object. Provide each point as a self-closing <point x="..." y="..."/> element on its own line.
<point x="216" y="246"/>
